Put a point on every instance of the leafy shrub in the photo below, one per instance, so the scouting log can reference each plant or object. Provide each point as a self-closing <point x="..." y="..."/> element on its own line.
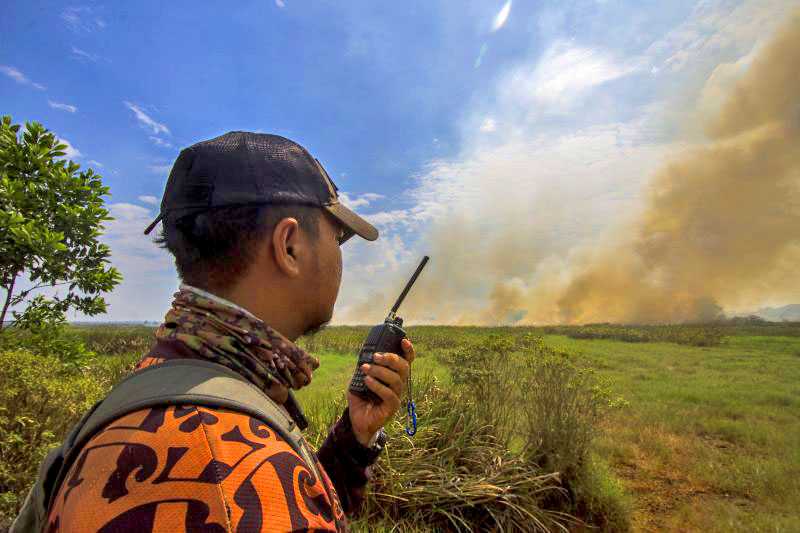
<point x="48" y="339"/>
<point x="41" y="397"/>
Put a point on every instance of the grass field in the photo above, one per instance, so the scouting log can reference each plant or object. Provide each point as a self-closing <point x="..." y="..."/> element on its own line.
<point x="710" y="440"/>
<point x="707" y="439"/>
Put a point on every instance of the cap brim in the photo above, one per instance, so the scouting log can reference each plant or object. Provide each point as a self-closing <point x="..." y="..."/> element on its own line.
<point x="355" y="223"/>
<point x="152" y="225"/>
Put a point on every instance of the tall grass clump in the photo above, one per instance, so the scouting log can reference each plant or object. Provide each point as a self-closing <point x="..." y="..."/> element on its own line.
<point x="549" y="409"/>
<point x="457" y="474"/>
<point x="506" y="446"/>
<point x="453" y="475"/>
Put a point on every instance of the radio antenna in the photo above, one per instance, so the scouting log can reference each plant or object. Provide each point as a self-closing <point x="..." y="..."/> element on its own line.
<point x="403" y="294"/>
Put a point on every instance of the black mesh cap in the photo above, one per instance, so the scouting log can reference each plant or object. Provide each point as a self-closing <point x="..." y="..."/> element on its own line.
<point x="242" y="168"/>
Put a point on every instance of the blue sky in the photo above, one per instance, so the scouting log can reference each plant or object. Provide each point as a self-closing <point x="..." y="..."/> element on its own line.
<point x="417" y="109"/>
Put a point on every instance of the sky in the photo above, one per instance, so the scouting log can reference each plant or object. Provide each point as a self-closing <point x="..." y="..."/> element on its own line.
<point x="424" y="113"/>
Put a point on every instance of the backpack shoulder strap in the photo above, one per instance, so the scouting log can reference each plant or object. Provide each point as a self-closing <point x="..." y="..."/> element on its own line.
<point x="183" y="382"/>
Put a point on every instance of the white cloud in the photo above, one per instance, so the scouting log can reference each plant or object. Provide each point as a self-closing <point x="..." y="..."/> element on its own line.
<point x="160" y="168"/>
<point x="14" y="74"/>
<point x="562" y="77"/>
<point x="63" y="107"/>
<point x="19" y="77"/>
<point x="152" y="200"/>
<point x="280" y="3"/>
<point x="488" y="125"/>
<point x="716" y="27"/>
<point x="158" y="141"/>
<point x="389" y="218"/>
<point x="381" y="260"/>
<point x="502" y="16"/>
<point x="71" y="17"/>
<point x="356" y="201"/>
<point x="94" y="163"/>
<point x="148" y="275"/>
<point x="82" y="19"/>
<point x="127" y="212"/>
<point x="70" y="152"/>
<point x="145" y="120"/>
<point x="84" y="55"/>
<point x="481" y="54"/>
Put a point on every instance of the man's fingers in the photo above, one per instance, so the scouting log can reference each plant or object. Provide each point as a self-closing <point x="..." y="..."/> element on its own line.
<point x="387" y="376"/>
<point x="408" y="350"/>
<point x="385" y="393"/>
<point x="393" y="361"/>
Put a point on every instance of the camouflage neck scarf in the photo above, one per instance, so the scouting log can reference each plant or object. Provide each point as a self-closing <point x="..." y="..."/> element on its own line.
<point x="228" y="336"/>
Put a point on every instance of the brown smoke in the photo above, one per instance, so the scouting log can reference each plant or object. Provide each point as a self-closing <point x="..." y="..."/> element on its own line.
<point x="722" y="221"/>
<point x="719" y="228"/>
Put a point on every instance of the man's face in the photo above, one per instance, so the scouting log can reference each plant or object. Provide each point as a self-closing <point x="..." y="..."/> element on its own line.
<point x="327" y="272"/>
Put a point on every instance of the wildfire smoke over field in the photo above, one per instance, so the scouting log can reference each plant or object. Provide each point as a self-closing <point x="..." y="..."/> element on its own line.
<point x="722" y="222"/>
<point x="716" y="226"/>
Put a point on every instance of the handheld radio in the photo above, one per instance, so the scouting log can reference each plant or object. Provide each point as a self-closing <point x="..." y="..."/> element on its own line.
<point x="382" y="338"/>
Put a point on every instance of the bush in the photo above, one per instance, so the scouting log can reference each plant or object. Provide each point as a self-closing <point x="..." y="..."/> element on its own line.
<point x="48" y="340"/>
<point x="563" y="406"/>
<point x="41" y="397"/>
<point x="457" y="474"/>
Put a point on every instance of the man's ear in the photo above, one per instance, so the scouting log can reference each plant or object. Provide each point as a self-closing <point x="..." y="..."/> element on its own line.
<point x="287" y="246"/>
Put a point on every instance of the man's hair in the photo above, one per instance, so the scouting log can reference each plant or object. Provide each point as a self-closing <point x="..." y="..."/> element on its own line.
<point x="214" y="248"/>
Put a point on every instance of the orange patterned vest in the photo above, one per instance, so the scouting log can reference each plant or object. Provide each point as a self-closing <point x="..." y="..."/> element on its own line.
<point x="189" y="468"/>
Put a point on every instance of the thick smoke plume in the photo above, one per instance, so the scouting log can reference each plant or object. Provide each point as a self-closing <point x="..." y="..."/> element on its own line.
<point x="719" y="225"/>
<point x="722" y="222"/>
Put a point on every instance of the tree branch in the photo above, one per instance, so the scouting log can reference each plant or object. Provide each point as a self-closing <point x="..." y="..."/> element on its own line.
<point x="9" y="290"/>
<point x="24" y="294"/>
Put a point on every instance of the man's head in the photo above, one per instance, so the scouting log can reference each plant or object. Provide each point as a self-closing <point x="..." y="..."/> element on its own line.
<point x="254" y="218"/>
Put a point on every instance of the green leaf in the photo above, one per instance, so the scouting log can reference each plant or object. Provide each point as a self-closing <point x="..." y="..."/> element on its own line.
<point x="51" y="217"/>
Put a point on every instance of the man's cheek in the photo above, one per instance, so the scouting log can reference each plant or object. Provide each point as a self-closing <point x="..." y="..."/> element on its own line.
<point x="340" y="267"/>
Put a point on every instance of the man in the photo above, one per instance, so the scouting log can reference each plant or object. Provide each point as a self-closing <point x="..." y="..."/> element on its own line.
<point x="255" y="227"/>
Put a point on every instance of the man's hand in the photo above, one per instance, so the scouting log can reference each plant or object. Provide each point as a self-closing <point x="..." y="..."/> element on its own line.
<point x="366" y="417"/>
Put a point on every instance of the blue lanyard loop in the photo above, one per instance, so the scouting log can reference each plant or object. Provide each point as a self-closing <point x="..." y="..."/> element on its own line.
<point x="411" y="413"/>
<point x="411" y="410"/>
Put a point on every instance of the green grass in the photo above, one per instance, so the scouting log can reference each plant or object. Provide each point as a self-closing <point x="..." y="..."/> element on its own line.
<point x="336" y="369"/>
<point x="720" y="426"/>
<point x="709" y="439"/>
